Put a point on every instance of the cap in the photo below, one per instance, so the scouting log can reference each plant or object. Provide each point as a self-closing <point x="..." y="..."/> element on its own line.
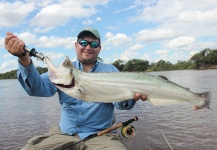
<point x="91" y="30"/>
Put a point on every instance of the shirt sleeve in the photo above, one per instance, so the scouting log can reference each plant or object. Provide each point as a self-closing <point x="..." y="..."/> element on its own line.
<point x="34" y="83"/>
<point x="125" y="105"/>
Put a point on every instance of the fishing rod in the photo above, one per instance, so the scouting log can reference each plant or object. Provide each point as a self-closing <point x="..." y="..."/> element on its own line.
<point x="123" y="124"/>
<point x="33" y="52"/>
<point x="127" y="131"/>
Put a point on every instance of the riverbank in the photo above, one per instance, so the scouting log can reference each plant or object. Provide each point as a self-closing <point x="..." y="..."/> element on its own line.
<point x="212" y="67"/>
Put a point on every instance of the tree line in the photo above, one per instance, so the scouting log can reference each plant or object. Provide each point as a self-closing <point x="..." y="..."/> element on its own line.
<point x="205" y="59"/>
<point x="13" y="74"/>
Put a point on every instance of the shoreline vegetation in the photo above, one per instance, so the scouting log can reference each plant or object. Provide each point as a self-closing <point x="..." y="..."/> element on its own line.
<point x="205" y="59"/>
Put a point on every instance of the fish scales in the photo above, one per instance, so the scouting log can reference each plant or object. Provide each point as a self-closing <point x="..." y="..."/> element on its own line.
<point x="120" y="83"/>
<point x="119" y="86"/>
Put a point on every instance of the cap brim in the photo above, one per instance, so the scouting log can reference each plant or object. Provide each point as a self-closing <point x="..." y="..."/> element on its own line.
<point x="85" y="32"/>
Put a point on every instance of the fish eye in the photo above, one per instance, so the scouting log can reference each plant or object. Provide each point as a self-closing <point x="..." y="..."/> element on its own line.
<point x="66" y="64"/>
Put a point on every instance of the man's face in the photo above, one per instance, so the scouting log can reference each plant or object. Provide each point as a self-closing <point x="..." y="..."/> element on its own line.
<point x="87" y="54"/>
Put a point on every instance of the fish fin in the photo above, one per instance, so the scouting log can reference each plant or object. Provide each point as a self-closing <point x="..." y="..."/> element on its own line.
<point x="81" y="92"/>
<point x="207" y="100"/>
<point x="163" y="77"/>
<point x="163" y="102"/>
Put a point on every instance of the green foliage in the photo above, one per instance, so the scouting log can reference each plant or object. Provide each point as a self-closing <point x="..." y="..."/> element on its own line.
<point x="9" y="75"/>
<point x="162" y="66"/>
<point x="184" y="65"/>
<point x="13" y="74"/>
<point x="205" y="58"/>
<point x="211" y="57"/>
<point x="99" y="59"/>
<point x="136" y="65"/>
<point x="119" y="64"/>
<point x="201" y="60"/>
<point x="41" y="70"/>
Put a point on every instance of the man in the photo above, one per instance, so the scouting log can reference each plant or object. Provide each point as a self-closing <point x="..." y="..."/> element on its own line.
<point x="78" y="119"/>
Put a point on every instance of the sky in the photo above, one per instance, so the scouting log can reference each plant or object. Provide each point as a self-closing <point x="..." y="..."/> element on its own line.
<point x="152" y="30"/>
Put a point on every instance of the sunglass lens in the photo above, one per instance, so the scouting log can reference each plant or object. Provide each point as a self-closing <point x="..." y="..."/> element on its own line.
<point x="94" y="44"/>
<point x="83" y="43"/>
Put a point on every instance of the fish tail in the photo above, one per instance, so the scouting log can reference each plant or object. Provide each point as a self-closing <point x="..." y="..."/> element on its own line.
<point x="207" y="99"/>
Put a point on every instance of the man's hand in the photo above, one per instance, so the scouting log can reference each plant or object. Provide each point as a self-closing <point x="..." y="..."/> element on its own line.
<point x="138" y="96"/>
<point x="15" y="46"/>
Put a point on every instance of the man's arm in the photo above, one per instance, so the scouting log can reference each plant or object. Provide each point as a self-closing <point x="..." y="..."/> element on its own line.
<point x="34" y="83"/>
<point x="15" y="46"/>
<point x="129" y="104"/>
<point x="28" y="76"/>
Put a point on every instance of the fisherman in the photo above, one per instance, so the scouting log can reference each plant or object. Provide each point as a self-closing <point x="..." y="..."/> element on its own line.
<point x="79" y="119"/>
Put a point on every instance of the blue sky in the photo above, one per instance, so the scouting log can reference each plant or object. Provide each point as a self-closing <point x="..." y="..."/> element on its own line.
<point x="170" y="30"/>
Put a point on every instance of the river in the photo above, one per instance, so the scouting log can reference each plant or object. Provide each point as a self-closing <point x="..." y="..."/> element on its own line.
<point x="22" y="116"/>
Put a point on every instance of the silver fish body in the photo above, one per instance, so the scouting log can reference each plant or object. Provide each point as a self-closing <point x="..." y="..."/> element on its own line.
<point x="119" y="86"/>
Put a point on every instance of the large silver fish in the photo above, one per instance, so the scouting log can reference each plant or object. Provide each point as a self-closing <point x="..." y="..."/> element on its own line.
<point x="116" y="87"/>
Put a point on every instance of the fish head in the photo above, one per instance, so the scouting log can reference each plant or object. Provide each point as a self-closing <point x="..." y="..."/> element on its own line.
<point x="61" y="76"/>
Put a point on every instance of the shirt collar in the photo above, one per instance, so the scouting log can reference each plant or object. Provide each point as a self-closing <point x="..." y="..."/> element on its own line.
<point x="79" y="66"/>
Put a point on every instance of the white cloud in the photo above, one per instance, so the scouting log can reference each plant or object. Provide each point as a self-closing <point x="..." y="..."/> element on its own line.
<point x="12" y="14"/>
<point x="147" y="56"/>
<point x="198" y="16"/>
<point x="180" y="42"/>
<point x="119" y="39"/>
<point x="54" y="42"/>
<point x="125" y="9"/>
<point x="109" y="35"/>
<point x="2" y="43"/>
<point x="178" y="55"/>
<point x="154" y="35"/>
<point x="8" y="66"/>
<point x="27" y="37"/>
<point x="153" y="11"/>
<point x="56" y="58"/>
<point x="192" y="53"/>
<point x="98" y="19"/>
<point x="87" y="22"/>
<point x="42" y="29"/>
<point x="93" y="2"/>
<point x="160" y="52"/>
<point x="136" y="47"/>
<point x="112" y="28"/>
<point x="182" y="17"/>
<point x="8" y="55"/>
<point x="127" y="55"/>
<point x="41" y="3"/>
<point x="131" y="53"/>
<point x="60" y="13"/>
<point x="203" y="45"/>
<point x="47" y="42"/>
<point x="172" y="30"/>
<point x="54" y="55"/>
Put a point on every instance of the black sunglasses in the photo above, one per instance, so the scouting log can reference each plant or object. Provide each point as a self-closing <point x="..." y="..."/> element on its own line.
<point x="84" y="43"/>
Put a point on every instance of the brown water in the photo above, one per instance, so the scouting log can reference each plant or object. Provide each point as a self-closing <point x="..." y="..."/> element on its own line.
<point x="22" y="117"/>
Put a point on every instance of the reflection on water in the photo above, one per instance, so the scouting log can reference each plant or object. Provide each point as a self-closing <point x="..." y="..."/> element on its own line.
<point x="23" y="117"/>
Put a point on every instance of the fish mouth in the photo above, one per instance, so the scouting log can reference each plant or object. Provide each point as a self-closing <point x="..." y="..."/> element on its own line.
<point x="67" y="86"/>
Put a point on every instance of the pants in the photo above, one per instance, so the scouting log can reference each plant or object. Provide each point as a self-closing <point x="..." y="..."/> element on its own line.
<point x="56" y="140"/>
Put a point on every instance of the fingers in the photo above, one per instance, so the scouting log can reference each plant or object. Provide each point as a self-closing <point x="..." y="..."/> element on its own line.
<point x="9" y="33"/>
<point x="13" y="44"/>
<point x="138" y="96"/>
<point x="195" y="108"/>
<point x="9" y="37"/>
<point x="144" y="98"/>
